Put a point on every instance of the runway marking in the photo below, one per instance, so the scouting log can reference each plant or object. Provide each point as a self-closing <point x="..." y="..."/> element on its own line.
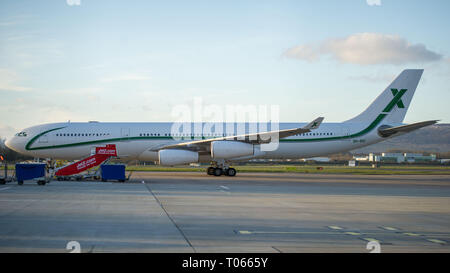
<point x="247" y="232"/>
<point x="224" y="189"/>
<point x="437" y="241"/>
<point x="353" y="233"/>
<point x="335" y="227"/>
<point x="371" y="239"/>
<point x="279" y="251"/>
<point x="170" y="217"/>
<point x="1" y="189"/>
<point x="390" y="228"/>
<point x="411" y="234"/>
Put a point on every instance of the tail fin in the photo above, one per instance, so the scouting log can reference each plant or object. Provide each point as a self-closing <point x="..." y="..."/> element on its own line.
<point x="395" y="99"/>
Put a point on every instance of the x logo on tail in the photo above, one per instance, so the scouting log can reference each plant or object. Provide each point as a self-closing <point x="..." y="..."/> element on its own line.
<point x="400" y="102"/>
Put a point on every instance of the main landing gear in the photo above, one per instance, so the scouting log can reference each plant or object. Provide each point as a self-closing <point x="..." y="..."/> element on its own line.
<point x="217" y="169"/>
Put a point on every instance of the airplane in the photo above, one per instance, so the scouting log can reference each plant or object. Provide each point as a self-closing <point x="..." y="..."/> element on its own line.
<point x="155" y="141"/>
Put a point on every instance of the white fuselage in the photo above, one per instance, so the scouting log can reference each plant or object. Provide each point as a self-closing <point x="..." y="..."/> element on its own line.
<point x="138" y="140"/>
<point x="181" y="143"/>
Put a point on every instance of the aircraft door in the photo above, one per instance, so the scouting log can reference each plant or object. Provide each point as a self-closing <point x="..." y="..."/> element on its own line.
<point x="345" y="131"/>
<point x="125" y="133"/>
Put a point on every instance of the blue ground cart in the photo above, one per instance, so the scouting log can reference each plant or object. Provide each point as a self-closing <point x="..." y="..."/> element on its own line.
<point x="27" y="171"/>
<point x="113" y="172"/>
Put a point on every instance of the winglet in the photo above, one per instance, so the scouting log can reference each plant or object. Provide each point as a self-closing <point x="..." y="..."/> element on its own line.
<point x="314" y="124"/>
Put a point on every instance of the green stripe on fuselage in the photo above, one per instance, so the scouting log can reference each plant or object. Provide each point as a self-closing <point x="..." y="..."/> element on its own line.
<point x="92" y="142"/>
<point x="360" y="133"/>
<point x="363" y="132"/>
<point x="27" y="147"/>
<point x="102" y="140"/>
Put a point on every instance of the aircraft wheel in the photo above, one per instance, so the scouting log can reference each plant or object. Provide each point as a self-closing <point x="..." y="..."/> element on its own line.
<point x="218" y="171"/>
<point x="230" y="172"/>
<point x="210" y="171"/>
<point x="20" y="182"/>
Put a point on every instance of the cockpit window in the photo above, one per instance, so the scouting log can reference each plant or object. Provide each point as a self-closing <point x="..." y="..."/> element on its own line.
<point x="21" y="134"/>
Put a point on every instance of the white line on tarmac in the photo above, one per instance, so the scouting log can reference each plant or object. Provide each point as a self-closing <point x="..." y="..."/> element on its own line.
<point x="437" y="241"/>
<point x="390" y="228"/>
<point x="1" y="189"/>
<point x="335" y="227"/>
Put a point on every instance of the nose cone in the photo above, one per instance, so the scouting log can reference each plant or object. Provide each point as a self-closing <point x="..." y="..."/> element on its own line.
<point x="12" y="144"/>
<point x="8" y="143"/>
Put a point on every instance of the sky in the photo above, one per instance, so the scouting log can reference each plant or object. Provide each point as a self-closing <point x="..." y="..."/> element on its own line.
<point x="135" y="61"/>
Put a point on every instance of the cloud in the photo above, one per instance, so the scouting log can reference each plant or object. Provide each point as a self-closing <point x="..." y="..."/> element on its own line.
<point x="8" y="81"/>
<point x="7" y="23"/>
<point x="373" y="2"/>
<point x="374" y="78"/>
<point x="365" y="49"/>
<point x="7" y="131"/>
<point x="308" y="53"/>
<point x="16" y="20"/>
<point x="126" y="77"/>
<point x="83" y="91"/>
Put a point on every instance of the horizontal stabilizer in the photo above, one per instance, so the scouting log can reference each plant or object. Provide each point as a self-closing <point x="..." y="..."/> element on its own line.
<point x="387" y="131"/>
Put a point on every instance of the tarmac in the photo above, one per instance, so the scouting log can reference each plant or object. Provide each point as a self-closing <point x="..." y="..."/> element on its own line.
<point x="252" y="212"/>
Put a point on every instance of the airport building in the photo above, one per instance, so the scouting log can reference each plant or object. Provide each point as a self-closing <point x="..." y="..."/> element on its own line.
<point x="317" y="159"/>
<point x="397" y="158"/>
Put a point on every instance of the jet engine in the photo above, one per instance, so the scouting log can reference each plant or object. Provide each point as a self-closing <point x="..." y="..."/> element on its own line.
<point x="230" y="149"/>
<point x="176" y="157"/>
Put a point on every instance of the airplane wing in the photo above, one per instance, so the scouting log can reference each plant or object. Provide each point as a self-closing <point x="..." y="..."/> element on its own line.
<point x="389" y="131"/>
<point x="256" y="138"/>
